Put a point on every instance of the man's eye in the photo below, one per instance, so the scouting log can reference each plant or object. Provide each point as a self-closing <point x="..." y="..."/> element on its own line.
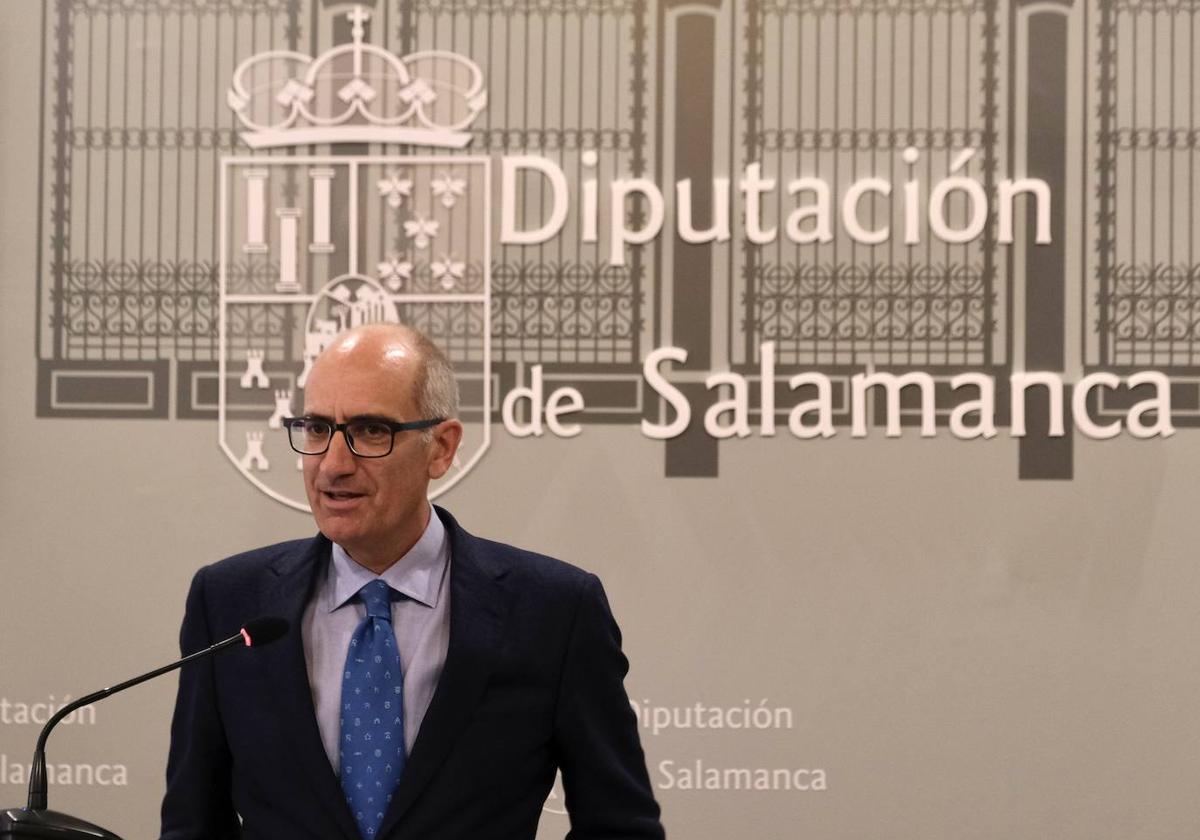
<point x="372" y="431"/>
<point x="316" y="428"/>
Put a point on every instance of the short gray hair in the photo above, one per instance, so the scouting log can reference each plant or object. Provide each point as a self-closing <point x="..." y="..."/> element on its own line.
<point x="436" y="386"/>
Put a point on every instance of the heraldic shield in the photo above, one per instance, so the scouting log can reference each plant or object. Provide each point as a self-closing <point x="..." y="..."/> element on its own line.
<point x="314" y="246"/>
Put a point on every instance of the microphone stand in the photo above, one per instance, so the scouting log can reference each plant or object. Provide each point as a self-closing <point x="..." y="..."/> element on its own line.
<point x="35" y="821"/>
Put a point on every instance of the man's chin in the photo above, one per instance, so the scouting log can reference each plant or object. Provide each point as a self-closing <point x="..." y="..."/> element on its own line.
<point x="339" y="524"/>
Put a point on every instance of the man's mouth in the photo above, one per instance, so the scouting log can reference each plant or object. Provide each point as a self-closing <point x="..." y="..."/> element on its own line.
<point x="340" y="495"/>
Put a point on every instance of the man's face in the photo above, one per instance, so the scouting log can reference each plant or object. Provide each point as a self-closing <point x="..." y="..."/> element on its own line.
<point x="375" y="508"/>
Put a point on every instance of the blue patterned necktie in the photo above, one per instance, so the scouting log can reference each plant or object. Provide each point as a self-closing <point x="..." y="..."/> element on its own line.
<point x="372" y="747"/>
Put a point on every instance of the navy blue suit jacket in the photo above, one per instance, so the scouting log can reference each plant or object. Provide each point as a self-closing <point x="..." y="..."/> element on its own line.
<point x="532" y="682"/>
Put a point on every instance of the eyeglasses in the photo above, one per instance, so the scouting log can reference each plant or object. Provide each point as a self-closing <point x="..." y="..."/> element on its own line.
<point x="366" y="438"/>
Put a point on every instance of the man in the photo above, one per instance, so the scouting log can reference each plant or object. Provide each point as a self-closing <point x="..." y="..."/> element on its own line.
<point x="432" y="682"/>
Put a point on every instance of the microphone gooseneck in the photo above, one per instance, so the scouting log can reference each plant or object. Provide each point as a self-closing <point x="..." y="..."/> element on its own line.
<point x="257" y="633"/>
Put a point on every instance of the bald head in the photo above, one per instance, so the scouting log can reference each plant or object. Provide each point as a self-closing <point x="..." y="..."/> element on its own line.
<point x="405" y="352"/>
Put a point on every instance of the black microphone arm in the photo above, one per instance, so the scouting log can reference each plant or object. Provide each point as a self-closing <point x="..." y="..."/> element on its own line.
<point x="34" y="821"/>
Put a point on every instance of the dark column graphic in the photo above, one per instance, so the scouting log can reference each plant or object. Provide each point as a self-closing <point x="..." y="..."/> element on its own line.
<point x="692" y="108"/>
<point x="1042" y="456"/>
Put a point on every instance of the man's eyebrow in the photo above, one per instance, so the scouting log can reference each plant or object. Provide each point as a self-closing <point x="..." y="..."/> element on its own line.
<point x="357" y="418"/>
<point x="370" y="418"/>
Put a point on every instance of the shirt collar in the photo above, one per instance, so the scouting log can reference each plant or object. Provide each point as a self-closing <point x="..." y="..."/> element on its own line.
<point x="417" y="575"/>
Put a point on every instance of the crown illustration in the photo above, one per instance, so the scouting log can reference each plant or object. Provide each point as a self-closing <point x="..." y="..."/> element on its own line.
<point x="357" y="93"/>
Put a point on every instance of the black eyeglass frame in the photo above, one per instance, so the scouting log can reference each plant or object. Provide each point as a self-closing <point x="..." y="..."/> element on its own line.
<point x="334" y="428"/>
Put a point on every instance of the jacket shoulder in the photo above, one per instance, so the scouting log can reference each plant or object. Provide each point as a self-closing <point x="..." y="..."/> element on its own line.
<point x="520" y="565"/>
<point x="251" y="564"/>
<point x="534" y="566"/>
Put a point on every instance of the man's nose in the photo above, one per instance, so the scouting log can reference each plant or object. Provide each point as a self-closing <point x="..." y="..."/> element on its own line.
<point x="338" y="459"/>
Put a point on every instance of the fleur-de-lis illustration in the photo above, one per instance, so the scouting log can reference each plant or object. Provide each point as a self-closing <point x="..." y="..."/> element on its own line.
<point x="395" y="189"/>
<point x="394" y="272"/>
<point x="420" y="230"/>
<point x="357" y="89"/>
<point x="294" y="91"/>
<point x="449" y="188"/>
<point x="419" y="91"/>
<point x="448" y="270"/>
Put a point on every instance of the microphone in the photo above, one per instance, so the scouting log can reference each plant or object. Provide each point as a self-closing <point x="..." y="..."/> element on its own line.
<point x="34" y="820"/>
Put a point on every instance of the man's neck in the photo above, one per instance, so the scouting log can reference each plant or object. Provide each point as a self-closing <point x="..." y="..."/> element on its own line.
<point x="381" y="556"/>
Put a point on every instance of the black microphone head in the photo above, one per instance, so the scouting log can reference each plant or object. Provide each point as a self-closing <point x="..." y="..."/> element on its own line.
<point x="264" y="630"/>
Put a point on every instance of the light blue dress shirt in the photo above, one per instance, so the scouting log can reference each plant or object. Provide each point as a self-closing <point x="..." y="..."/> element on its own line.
<point x="421" y="621"/>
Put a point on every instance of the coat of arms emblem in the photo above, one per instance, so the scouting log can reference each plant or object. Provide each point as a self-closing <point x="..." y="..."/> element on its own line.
<point x="315" y="244"/>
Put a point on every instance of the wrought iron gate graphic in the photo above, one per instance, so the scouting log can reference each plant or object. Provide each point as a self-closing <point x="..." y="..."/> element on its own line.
<point x="135" y="124"/>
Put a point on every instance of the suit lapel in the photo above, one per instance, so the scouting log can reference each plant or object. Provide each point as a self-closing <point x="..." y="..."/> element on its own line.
<point x="297" y="575"/>
<point x="478" y="607"/>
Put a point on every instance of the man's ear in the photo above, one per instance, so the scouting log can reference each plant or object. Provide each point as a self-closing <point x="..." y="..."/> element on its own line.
<point x="447" y="435"/>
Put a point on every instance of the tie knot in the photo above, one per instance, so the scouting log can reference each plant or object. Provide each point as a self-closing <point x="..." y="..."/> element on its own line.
<point x="377" y="596"/>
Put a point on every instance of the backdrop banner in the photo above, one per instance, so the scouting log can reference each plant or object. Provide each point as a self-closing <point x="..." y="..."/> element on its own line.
<point x="855" y="344"/>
